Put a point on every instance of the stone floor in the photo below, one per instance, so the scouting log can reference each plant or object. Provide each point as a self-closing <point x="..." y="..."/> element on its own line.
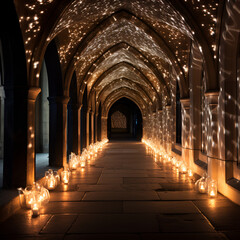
<point x="127" y="195"/>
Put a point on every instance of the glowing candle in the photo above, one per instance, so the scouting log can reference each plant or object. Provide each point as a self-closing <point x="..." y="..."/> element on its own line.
<point x="83" y="164"/>
<point x="35" y="209"/>
<point x="183" y="168"/>
<point x="29" y="201"/>
<point x="51" y="184"/>
<point x="65" y="177"/>
<point x="212" y="188"/>
<point x="202" y="187"/>
<point x="190" y="173"/>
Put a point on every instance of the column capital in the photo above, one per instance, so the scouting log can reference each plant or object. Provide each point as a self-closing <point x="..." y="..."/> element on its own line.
<point x="58" y="99"/>
<point x="212" y="97"/>
<point x="168" y="107"/>
<point x="185" y="102"/>
<point x="33" y="93"/>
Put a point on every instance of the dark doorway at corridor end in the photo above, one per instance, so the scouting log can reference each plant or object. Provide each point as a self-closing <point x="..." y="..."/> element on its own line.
<point x="124" y="121"/>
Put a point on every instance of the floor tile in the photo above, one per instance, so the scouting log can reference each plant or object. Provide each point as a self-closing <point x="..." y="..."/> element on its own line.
<point x="127" y="195"/>
<point x="100" y="187"/>
<point x="181" y="195"/>
<point x="110" y="180"/>
<point x="184" y="223"/>
<point x="167" y="207"/>
<point x="59" y="224"/>
<point x="23" y="224"/>
<point x="83" y="207"/>
<point x="182" y="236"/>
<point x="115" y="223"/>
<point x="128" y="180"/>
<point x="66" y="196"/>
<point x="223" y="214"/>
<point x="115" y="236"/>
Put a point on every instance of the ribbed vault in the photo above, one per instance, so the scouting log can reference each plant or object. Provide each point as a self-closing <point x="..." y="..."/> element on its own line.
<point x="141" y="47"/>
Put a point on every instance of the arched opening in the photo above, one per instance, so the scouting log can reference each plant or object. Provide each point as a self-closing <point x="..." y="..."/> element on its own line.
<point x="90" y="127"/>
<point x="238" y="104"/>
<point x="84" y="121"/>
<point x="72" y="118"/>
<point x="178" y="117"/>
<point x="42" y="123"/>
<point x="124" y="120"/>
<point x="57" y="104"/>
<point x="99" y="123"/>
<point x="2" y="96"/>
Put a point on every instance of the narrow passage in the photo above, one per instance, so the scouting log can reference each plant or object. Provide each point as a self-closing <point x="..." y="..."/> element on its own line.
<point x="127" y="195"/>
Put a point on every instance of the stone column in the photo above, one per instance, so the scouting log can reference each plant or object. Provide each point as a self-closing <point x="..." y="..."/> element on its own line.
<point x="87" y="128"/>
<point x="79" y="130"/>
<point x="168" y="128"/>
<point x="19" y="137"/>
<point x="76" y="121"/>
<point x="104" y="127"/>
<point x="160" y="113"/>
<point x="96" y="127"/>
<point x="2" y="96"/>
<point x="92" y="127"/>
<point x="58" y="131"/>
<point x="186" y="122"/>
<point x="212" y="133"/>
<point x="154" y="127"/>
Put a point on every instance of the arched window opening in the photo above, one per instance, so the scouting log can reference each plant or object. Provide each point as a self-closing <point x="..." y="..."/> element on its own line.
<point x="124" y="120"/>
<point x="99" y="123"/>
<point x="178" y="117"/>
<point x="238" y="105"/>
<point x="72" y="118"/>
<point x="84" y="120"/>
<point x="42" y="123"/>
<point x="2" y="96"/>
<point x="118" y="121"/>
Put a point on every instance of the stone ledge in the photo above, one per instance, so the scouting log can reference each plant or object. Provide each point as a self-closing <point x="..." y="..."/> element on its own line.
<point x="178" y="152"/>
<point x="235" y="183"/>
<point x="201" y="164"/>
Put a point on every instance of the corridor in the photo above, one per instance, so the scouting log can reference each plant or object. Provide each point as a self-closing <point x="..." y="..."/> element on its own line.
<point x="127" y="195"/>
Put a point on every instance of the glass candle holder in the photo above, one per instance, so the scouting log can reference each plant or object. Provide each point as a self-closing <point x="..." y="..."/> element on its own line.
<point x="82" y="163"/>
<point x="65" y="175"/>
<point x="183" y="168"/>
<point x="202" y="186"/>
<point x="57" y="177"/>
<point x="35" y="206"/>
<point x="50" y="181"/>
<point x="212" y="188"/>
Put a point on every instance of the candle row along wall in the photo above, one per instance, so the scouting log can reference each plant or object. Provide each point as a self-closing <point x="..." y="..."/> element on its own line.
<point x="203" y="185"/>
<point x="34" y="197"/>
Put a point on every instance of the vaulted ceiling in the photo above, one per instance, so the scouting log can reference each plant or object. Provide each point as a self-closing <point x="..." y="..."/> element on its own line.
<point x="120" y="47"/>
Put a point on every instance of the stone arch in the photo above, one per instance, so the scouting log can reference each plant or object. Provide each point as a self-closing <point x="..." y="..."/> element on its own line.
<point x="132" y="68"/>
<point x="124" y="92"/>
<point x="133" y="50"/>
<point x="139" y="23"/>
<point x="211" y="70"/>
<point x="138" y="86"/>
